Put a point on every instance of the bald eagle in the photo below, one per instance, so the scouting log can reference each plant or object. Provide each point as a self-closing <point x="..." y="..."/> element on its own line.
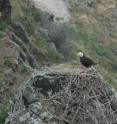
<point x="87" y="62"/>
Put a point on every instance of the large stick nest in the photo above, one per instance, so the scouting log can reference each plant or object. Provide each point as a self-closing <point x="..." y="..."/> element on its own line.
<point x="82" y="98"/>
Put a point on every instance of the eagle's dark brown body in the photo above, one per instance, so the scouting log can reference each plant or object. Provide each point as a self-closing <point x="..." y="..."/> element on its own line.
<point x="87" y="62"/>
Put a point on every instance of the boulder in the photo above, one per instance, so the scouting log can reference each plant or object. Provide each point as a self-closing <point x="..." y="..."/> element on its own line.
<point x="36" y="107"/>
<point x="24" y="117"/>
<point x="52" y="48"/>
<point x="28" y="96"/>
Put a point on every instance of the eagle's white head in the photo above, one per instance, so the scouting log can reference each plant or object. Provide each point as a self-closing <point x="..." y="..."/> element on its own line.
<point x="81" y="54"/>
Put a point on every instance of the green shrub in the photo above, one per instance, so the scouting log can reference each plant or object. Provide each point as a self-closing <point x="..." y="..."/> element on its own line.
<point x="3" y="113"/>
<point x="8" y="63"/>
<point x="2" y="25"/>
<point x="24" y="68"/>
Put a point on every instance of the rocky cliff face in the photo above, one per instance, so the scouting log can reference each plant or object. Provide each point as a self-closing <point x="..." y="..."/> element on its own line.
<point x="5" y="9"/>
<point x="65" y="96"/>
<point x="57" y="8"/>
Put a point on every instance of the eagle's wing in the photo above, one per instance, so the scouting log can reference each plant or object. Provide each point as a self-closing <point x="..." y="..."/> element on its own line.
<point x="88" y="60"/>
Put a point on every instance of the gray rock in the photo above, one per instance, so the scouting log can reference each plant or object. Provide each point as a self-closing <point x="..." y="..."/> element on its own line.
<point x="28" y="95"/>
<point x="36" y="107"/>
<point x="52" y="47"/>
<point x="8" y="77"/>
<point x="46" y="116"/>
<point x="35" y="121"/>
<point x="114" y="52"/>
<point x="24" y="117"/>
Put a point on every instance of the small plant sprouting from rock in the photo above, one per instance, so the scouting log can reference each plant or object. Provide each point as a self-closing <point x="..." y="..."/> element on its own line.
<point x="2" y="25"/>
<point x="3" y="113"/>
<point x="24" y="68"/>
<point x="8" y="63"/>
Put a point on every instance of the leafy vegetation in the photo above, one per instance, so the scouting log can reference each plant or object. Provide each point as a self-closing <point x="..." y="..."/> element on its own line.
<point x="3" y="113"/>
<point x="24" y="68"/>
<point x="2" y="25"/>
<point x="8" y="63"/>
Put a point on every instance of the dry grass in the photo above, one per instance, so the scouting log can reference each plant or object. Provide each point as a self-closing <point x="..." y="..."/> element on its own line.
<point x="9" y="51"/>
